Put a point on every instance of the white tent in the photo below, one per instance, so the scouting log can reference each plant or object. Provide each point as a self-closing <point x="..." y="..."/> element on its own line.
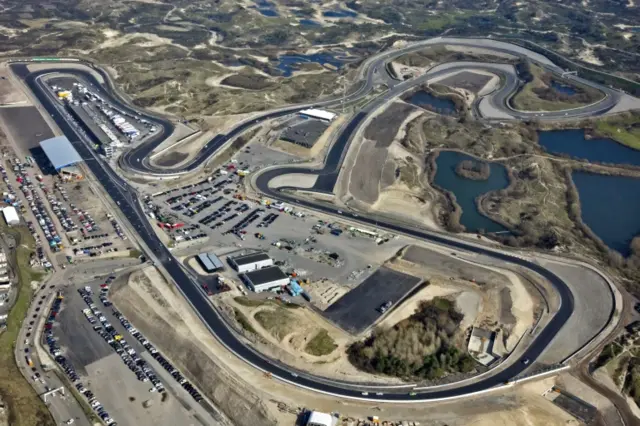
<point x="11" y="215"/>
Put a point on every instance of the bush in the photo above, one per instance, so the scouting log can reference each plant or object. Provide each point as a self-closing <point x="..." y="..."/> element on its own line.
<point x="419" y="347"/>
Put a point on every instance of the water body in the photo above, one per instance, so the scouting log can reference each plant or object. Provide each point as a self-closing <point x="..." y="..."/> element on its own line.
<point x="574" y="144"/>
<point x="467" y="190"/>
<point x="309" y="22"/>
<point x="563" y="88"/>
<point x="266" y="8"/>
<point x="268" y="12"/>
<point x="339" y="13"/>
<point x="610" y="207"/>
<point x="424" y="99"/>
<point x="290" y="63"/>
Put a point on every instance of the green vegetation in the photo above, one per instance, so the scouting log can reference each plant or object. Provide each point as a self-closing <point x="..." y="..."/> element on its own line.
<point x="276" y="322"/>
<point x="622" y="128"/>
<point x="24" y="406"/>
<point x="135" y="253"/>
<point x="474" y="170"/>
<point x="244" y="321"/>
<point x="421" y="346"/>
<point x="321" y="344"/>
<point x="621" y="358"/>
<point x="539" y="95"/>
<point x="250" y="82"/>
<point x="245" y="301"/>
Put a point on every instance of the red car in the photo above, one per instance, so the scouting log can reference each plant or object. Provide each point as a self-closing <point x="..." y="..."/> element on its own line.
<point x="104" y="286"/>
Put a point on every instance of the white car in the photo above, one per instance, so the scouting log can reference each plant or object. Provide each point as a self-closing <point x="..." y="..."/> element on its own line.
<point x="69" y="422"/>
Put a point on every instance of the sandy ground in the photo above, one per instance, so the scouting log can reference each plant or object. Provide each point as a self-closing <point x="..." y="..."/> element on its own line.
<point x="114" y="38"/>
<point x="180" y="132"/>
<point x="304" y="324"/>
<point x="399" y="200"/>
<point x="10" y="94"/>
<point x="502" y="298"/>
<point x="298" y="180"/>
<point x="242" y="392"/>
<point x="437" y="288"/>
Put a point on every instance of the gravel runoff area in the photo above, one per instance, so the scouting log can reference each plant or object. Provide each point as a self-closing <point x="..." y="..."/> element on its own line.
<point x="360" y="308"/>
<point x="26" y="126"/>
<point x="468" y="80"/>
<point x="105" y="374"/>
<point x="364" y="180"/>
<point x="384" y="127"/>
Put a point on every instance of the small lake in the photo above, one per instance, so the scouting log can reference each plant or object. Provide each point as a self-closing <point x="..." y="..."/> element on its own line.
<point x="266" y="8"/>
<point x="268" y="12"/>
<point x="439" y="105"/>
<point x="574" y="144"/>
<point x="290" y="63"/>
<point x="309" y="22"/>
<point x="467" y="190"/>
<point x="339" y="13"/>
<point x="610" y="207"/>
<point x="563" y="88"/>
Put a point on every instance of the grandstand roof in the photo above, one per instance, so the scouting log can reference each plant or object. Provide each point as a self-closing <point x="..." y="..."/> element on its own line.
<point x="60" y="152"/>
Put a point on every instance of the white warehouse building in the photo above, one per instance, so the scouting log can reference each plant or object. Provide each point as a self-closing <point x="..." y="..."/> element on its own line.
<point x="250" y="262"/>
<point x="318" y="114"/>
<point x="11" y="216"/>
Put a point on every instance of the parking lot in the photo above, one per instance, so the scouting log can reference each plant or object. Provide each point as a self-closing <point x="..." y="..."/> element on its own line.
<point x="364" y="305"/>
<point x="116" y="365"/>
<point x="298" y="241"/>
<point x="26" y="126"/>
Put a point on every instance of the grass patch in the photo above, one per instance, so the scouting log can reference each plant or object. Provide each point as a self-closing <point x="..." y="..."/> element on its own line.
<point x="625" y="133"/>
<point x="135" y="253"/>
<point x="275" y="322"/>
<point x="528" y="97"/>
<point x="244" y="321"/>
<point x="25" y="406"/>
<point x="321" y="344"/>
<point x="245" y="301"/>
<point x="251" y="303"/>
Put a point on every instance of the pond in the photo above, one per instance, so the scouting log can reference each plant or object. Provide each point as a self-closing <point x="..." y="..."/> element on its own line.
<point x="266" y="8"/>
<point x="290" y="63"/>
<point x="439" y="105"/>
<point x="268" y="12"/>
<point x="467" y="190"/>
<point x="610" y="207"/>
<point x="309" y="22"/>
<point x="563" y="88"/>
<point x="574" y="144"/>
<point x="339" y="13"/>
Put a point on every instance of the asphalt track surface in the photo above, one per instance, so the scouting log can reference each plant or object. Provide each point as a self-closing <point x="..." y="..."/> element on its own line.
<point x="137" y="159"/>
<point x="127" y="201"/>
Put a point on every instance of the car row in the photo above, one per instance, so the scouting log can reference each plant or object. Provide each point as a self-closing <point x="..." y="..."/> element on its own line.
<point x="37" y="207"/>
<point x="68" y="367"/>
<point x="158" y="357"/>
<point x="129" y="357"/>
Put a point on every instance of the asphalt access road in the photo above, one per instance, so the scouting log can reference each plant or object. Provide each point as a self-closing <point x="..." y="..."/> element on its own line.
<point x="128" y="203"/>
